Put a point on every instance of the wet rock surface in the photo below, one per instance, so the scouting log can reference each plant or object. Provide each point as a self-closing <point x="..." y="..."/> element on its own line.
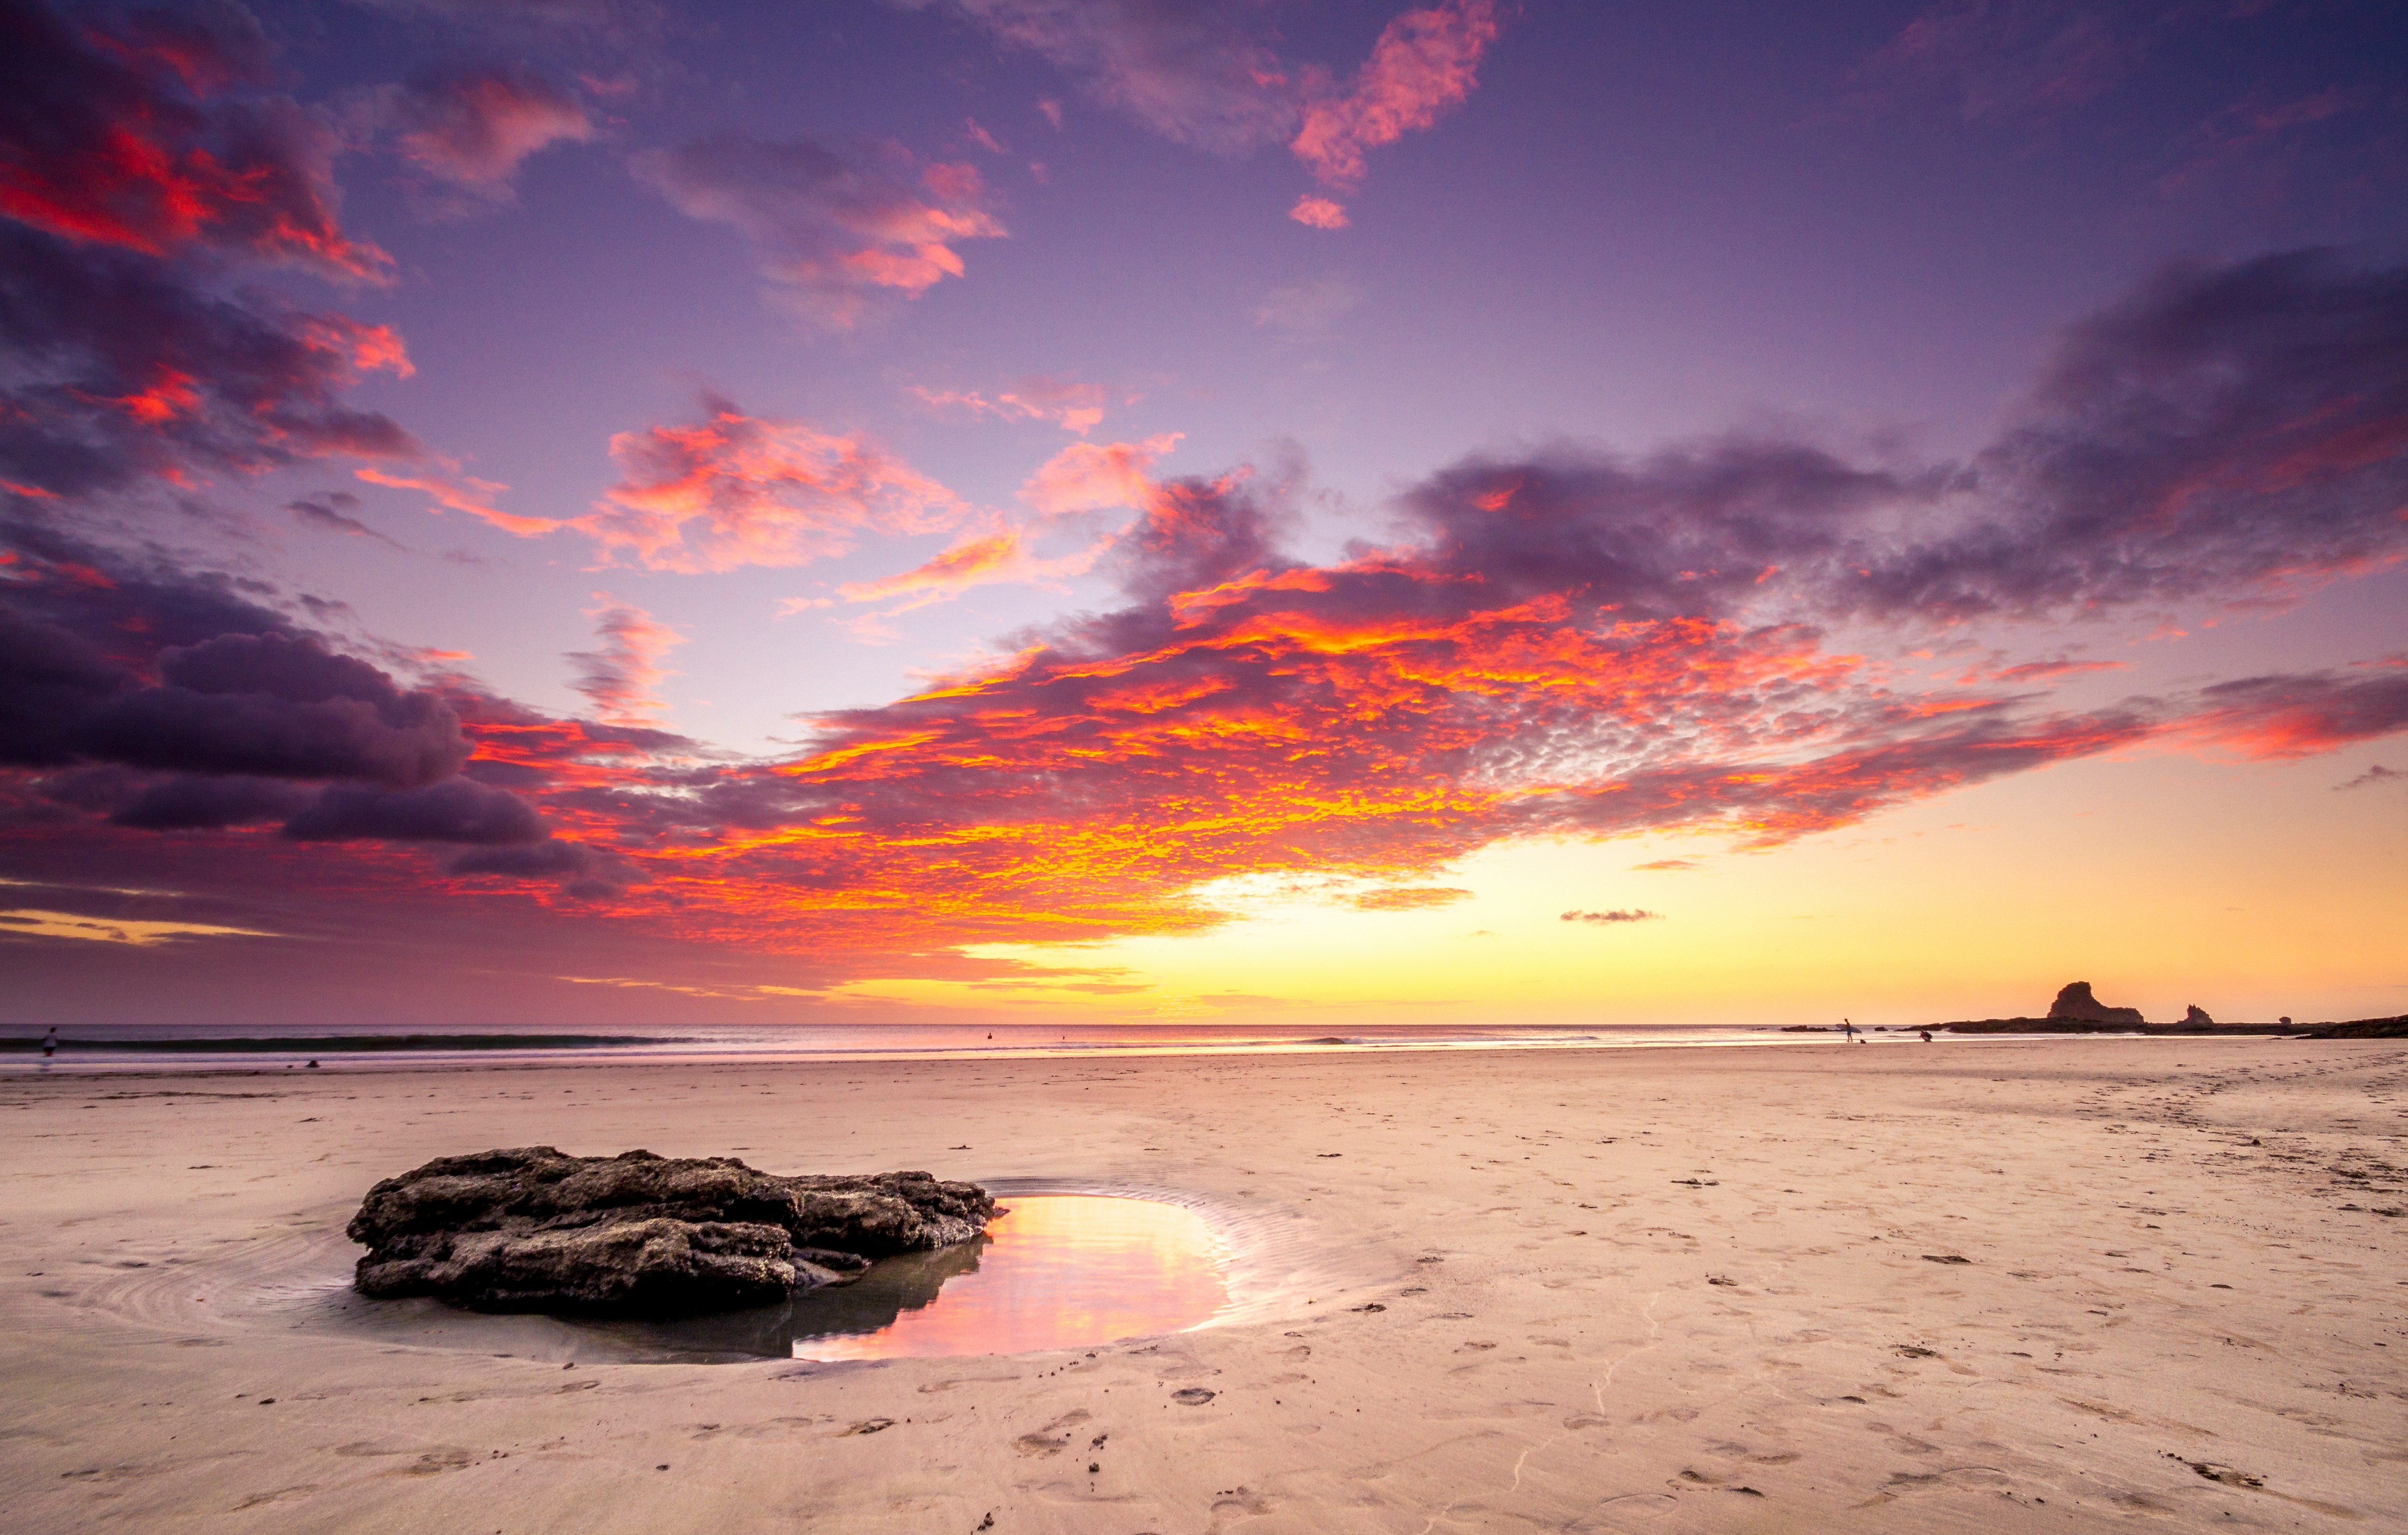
<point x="639" y="1235"/>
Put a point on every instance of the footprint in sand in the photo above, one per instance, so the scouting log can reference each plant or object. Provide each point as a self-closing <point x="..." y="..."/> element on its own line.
<point x="1053" y="1438"/>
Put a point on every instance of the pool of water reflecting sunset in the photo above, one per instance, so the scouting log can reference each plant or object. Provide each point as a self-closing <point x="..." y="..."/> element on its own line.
<point x="1056" y="1270"/>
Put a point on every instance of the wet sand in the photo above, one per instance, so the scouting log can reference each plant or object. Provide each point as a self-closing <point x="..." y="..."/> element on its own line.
<point x="1641" y="1290"/>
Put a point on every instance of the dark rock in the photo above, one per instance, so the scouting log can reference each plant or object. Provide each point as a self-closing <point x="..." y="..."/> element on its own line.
<point x="2360" y="1028"/>
<point x="2196" y="1018"/>
<point x="2075" y="1003"/>
<point x="534" y="1229"/>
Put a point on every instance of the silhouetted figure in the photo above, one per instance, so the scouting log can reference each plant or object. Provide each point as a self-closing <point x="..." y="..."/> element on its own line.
<point x="1926" y="1036"/>
<point x="49" y="1044"/>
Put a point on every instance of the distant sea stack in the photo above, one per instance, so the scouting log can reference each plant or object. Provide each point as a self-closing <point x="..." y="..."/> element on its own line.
<point x="2075" y="1004"/>
<point x="2196" y="1018"/>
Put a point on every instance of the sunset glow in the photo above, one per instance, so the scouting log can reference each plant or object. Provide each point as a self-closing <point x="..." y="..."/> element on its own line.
<point x="978" y="509"/>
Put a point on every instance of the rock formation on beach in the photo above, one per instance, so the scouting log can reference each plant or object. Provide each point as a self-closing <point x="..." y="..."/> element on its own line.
<point x="2196" y="1018"/>
<point x="2075" y="1004"/>
<point x="535" y="1229"/>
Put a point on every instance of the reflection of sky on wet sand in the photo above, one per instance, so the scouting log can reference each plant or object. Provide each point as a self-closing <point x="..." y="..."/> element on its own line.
<point x="1059" y="1269"/>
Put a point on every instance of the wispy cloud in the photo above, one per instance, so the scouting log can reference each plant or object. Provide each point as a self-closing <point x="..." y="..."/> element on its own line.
<point x="1610" y="918"/>
<point x="836" y="228"/>
<point x="1308" y="308"/>
<point x="623" y="675"/>
<point x="33" y="922"/>
<point x="1407" y="897"/>
<point x="1073" y="406"/>
<point x="2009" y="59"/>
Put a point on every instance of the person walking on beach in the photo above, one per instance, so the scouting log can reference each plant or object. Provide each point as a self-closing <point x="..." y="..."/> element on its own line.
<point x="51" y="1043"/>
<point x="1849" y="1030"/>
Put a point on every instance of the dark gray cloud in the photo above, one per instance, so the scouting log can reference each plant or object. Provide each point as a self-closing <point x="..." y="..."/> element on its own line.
<point x="276" y="706"/>
<point x="188" y="802"/>
<point x="2221" y="432"/>
<point x="456" y="810"/>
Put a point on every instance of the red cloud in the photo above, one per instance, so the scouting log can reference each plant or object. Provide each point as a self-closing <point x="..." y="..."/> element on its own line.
<point x="733" y="490"/>
<point x="118" y="138"/>
<point x="1424" y="64"/>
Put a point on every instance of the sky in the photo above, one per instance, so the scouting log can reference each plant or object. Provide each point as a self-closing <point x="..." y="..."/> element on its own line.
<point x="1127" y="512"/>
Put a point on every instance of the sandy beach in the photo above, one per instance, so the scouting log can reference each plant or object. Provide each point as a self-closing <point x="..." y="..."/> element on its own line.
<point x="1681" y="1289"/>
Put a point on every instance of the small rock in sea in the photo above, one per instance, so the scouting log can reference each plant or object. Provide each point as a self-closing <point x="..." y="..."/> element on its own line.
<point x="535" y="1229"/>
<point x="2196" y="1018"/>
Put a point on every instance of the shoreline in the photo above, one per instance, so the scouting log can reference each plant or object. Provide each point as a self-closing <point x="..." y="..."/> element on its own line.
<point x="353" y="1053"/>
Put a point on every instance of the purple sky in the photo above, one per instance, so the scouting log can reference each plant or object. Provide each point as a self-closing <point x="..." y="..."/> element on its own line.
<point x="970" y="508"/>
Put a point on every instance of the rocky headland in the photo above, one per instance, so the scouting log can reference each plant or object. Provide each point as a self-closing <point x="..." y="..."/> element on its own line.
<point x="639" y="1235"/>
<point x="2078" y="1010"/>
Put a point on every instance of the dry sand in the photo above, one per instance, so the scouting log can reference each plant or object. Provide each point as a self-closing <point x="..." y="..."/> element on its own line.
<point x="2170" y="1316"/>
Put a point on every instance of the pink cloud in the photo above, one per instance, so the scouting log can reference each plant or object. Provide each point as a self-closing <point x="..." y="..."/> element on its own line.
<point x="833" y="230"/>
<point x="473" y="130"/>
<point x="468" y="495"/>
<point x="1318" y="212"/>
<point x="1072" y="406"/>
<point x="1424" y="64"/>
<point x="1092" y="476"/>
<point x="624" y="673"/>
<point x="733" y="490"/>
